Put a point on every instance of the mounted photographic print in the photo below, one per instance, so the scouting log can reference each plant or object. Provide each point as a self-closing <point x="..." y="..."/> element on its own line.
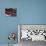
<point x="32" y="32"/>
<point x="10" y="11"/>
<point x="12" y="38"/>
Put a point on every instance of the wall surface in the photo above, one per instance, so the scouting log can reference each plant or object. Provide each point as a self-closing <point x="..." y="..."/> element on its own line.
<point x="28" y="12"/>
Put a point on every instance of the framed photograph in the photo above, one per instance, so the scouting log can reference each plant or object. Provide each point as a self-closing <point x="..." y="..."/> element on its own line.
<point x="10" y="11"/>
<point x="32" y="32"/>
